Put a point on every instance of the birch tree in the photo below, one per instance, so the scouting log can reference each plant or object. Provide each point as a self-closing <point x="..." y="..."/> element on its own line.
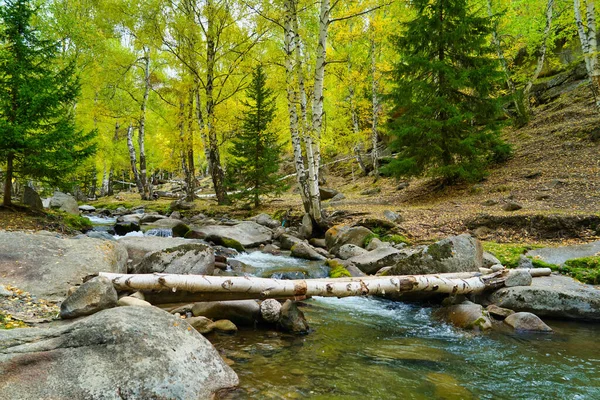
<point x="589" y="44"/>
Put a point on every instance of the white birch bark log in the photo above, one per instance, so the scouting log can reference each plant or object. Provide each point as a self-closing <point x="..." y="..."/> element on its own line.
<point x="201" y="287"/>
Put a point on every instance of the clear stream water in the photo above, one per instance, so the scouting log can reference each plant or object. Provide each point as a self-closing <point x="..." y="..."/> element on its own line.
<point x="365" y="348"/>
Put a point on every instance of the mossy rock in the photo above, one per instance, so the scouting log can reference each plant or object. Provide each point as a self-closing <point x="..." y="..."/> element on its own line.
<point x="180" y="230"/>
<point x="226" y="242"/>
<point x="337" y="269"/>
<point x="586" y="269"/>
<point x="77" y="222"/>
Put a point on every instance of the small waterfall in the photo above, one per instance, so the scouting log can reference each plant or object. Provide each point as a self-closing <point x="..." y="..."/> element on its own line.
<point x="160" y="232"/>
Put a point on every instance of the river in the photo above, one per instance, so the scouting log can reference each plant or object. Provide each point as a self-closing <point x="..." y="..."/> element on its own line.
<point x="365" y="348"/>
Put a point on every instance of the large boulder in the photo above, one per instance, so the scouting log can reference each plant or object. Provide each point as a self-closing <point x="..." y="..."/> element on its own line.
<point x="327" y="193"/>
<point x="306" y="251"/>
<point x="526" y="322"/>
<point x="32" y="199"/>
<point x="349" y="250"/>
<point x="64" y="202"/>
<point x="189" y="258"/>
<point x="120" y="353"/>
<point x="288" y="241"/>
<point x="552" y="296"/>
<point x="374" y="260"/>
<point x="95" y="295"/>
<point x="240" y="312"/>
<point x="266" y="220"/>
<point x="559" y="255"/>
<point x="248" y="233"/>
<point x="139" y="247"/>
<point x="340" y="235"/>
<point x="461" y="253"/>
<point x="46" y="265"/>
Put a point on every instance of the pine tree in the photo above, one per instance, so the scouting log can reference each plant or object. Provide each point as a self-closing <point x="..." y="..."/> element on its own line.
<point x="446" y="119"/>
<point x="38" y="138"/>
<point x="256" y="151"/>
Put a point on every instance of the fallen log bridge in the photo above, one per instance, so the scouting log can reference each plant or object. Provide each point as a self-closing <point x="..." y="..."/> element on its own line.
<point x="172" y="288"/>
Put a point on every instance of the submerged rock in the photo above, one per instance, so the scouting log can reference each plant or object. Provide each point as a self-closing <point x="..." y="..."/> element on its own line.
<point x="466" y="316"/>
<point x="241" y="312"/>
<point x="125" y="352"/>
<point x="292" y="318"/>
<point x="526" y="322"/>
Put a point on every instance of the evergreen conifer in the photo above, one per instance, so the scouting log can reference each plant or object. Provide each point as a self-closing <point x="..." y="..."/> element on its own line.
<point x="256" y="152"/>
<point x="38" y="138"/>
<point x="446" y="121"/>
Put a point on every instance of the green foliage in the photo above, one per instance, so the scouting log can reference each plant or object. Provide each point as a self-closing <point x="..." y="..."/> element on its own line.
<point x="509" y="253"/>
<point x="37" y="96"/>
<point x="77" y="222"/>
<point x="257" y="154"/>
<point x="586" y="270"/>
<point x="445" y="115"/>
<point x="337" y="270"/>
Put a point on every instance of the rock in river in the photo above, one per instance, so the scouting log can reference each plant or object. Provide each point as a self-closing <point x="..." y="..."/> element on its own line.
<point x="248" y="233"/>
<point x="120" y="353"/>
<point x="189" y="258"/>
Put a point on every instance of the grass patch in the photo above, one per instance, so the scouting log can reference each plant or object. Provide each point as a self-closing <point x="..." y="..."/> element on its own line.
<point x="392" y="238"/>
<point x="586" y="270"/>
<point x="77" y="222"/>
<point x="509" y="253"/>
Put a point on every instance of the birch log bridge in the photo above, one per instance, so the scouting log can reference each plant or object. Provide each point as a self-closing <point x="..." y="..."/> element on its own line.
<point x="172" y="288"/>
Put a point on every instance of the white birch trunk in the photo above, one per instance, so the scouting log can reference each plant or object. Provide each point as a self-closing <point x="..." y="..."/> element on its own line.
<point x="292" y="96"/>
<point x="376" y="107"/>
<point x="542" y="55"/>
<point x="145" y="192"/>
<point x="133" y="159"/>
<point x="202" y="287"/>
<point x="589" y="45"/>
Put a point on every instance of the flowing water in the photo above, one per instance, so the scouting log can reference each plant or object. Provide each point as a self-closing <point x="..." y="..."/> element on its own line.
<point x="365" y="348"/>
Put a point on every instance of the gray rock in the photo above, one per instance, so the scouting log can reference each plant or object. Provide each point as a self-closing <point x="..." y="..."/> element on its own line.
<point x="248" y="233"/>
<point x="318" y="243"/>
<point x="201" y="324"/>
<point x="32" y="199"/>
<point x="271" y="249"/>
<point x="499" y="312"/>
<point x="525" y="262"/>
<point x="512" y="206"/>
<point x="241" y="312"/>
<point x="123" y="228"/>
<point x="182" y="205"/>
<point x="150" y="218"/>
<point x="392" y="216"/>
<point x="373" y="261"/>
<point x="461" y="253"/>
<point x="288" y="241"/>
<point x="552" y="296"/>
<point x="101" y="235"/>
<point x="189" y="258"/>
<point x="338" y="197"/>
<point x="95" y="295"/>
<point x="270" y="310"/>
<point x="4" y="292"/>
<point x="46" y="265"/>
<point x="518" y="278"/>
<point x="167" y="223"/>
<point x="138" y="247"/>
<point x="526" y="322"/>
<point x="402" y="186"/>
<point x="375" y="243"/>
<point x="371" y="192"/>
<point x="292" y="319"/>
<point x="348" y="251"/>
<point x="327" y="193"/>
<point x="223" y="325"/>
<point x="497" y="267"/>
<point x="175" y="215"/>
<point x="354" y="271"/>
<point x="130" y="218"/>
<point x="340" y="235"/>
<point x="305" y="251"/>
<point x="180" y="229"/>
<point x="87" y="208"/>
<point x="64" y="202"/>
<point x="266" y="220"/>
<point x="130" y="301"/>
<point x="466" y="316"/>
<point x="124" y="352"/>
<point x="558" y="255"/>
<point x="489" y="260"/>
<point x="306" y="229"/>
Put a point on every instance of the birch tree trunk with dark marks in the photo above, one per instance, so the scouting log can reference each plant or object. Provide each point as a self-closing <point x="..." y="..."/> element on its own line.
<point x="144" y="191"/>
<point x="589" y="45"/>
<point x="542" y="52"/>
<point x="133" y="159"/>
<point x="376" y="107"/>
